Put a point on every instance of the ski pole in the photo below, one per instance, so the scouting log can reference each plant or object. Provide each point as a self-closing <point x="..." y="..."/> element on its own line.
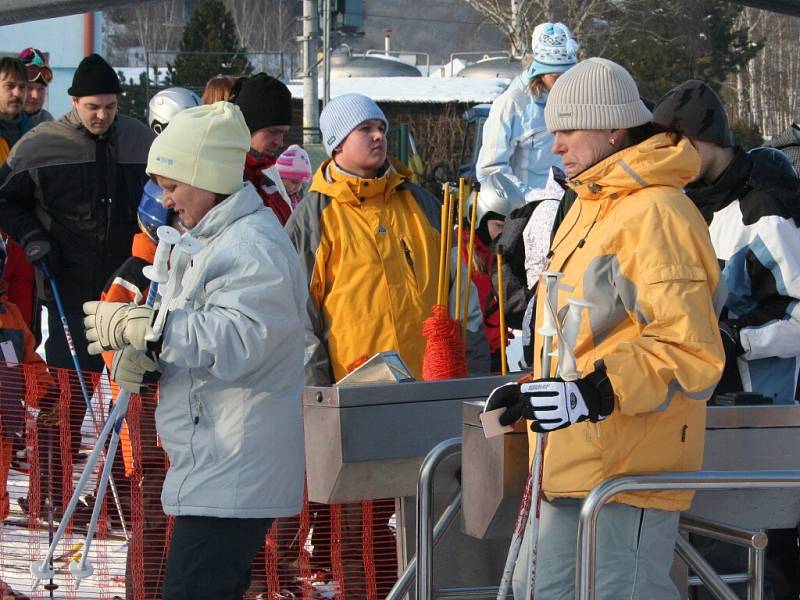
<point x="459" y="246"/>
<point x="470" y="258"/>
<point x="81" y="380"/>
<point x="157" y="273"/>
<point x="533" y="483"/>
<point x="44" y="569"/>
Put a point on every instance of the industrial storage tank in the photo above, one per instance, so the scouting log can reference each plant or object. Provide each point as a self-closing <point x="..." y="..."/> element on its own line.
<point x="346" y="64"/>
<point x="499" y="67"/>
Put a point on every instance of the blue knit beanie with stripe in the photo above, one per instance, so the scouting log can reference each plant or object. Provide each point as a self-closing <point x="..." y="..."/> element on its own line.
<point x="343" y="114"/>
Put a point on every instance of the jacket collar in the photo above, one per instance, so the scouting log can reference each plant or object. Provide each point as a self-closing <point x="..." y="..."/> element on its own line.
<point x="730" y="185"/>
<point x="74" y="121"/>
<point x="234" y="207"/>
<point x="347" y="188"/>
<point x="656" y="161"/>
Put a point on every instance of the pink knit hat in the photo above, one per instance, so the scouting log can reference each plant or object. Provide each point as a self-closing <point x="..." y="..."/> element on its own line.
<point x="294" y="164"/>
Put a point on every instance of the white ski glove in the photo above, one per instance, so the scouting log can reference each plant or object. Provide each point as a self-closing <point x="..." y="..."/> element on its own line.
<point x="130" y="369"/>
<point x="114" y="325"/>
<point x="554" y="403"/>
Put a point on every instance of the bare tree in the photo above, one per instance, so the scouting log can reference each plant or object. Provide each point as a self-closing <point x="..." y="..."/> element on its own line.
<point x="267" y="26"/>
<point x="766" y="91"/>
<point x="517" y="18"/>
<point x="153" y="26"/>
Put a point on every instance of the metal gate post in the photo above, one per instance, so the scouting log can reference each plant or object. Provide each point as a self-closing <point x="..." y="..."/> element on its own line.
<point x="425" y="490"/>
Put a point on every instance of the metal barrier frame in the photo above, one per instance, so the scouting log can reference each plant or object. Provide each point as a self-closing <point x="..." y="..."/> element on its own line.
<point x="428" y="535"/>
<point x="699" y="480"/>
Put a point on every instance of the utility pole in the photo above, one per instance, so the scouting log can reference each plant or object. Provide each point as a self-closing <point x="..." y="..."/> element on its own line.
<point x="326" y="41"/>
<point x="311" y="134"/>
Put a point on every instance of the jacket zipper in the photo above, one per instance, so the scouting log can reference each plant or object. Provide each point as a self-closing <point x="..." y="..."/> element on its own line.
<point x="195" y="421"/>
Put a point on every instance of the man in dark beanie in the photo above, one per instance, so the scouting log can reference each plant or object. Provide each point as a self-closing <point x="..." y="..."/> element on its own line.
<point x="69" y="193"/>
<point x="266" y="104"/>
<point x="750" y="205"/>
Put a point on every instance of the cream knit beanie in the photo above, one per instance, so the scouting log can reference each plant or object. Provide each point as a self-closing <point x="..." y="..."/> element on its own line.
<point x="205" y="147"/>
<point x="595" y="94"/>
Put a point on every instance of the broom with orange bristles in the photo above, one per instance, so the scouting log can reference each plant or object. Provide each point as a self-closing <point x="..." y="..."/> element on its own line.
<point x="445" y="351"/>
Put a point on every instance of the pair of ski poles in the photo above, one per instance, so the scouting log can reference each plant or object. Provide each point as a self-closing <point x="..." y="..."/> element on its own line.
<point x="158" y="273"/>
<point x="532" y="495"/>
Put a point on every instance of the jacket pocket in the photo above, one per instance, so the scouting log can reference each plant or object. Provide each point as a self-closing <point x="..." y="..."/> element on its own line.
<point x="666" y="273"/>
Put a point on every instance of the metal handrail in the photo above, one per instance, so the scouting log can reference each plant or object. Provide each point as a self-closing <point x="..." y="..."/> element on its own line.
<point x="725" y="533"/>
<point x="700" y="480"/>
<point x="699" y="565"/>
<point x="406" y="579"/>
<point x="425" y="487"/>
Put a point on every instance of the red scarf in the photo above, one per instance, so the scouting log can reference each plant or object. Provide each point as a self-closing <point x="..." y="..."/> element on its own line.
<point x="254" y="166"/>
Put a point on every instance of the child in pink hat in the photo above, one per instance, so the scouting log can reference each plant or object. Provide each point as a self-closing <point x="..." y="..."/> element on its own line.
<point x="295" y="170"/>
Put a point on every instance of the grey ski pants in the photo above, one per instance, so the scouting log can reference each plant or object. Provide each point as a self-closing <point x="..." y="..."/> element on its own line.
<point x="634" y="553"/>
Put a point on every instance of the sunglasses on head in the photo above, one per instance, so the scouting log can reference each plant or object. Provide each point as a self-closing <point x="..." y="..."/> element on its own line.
<point x="39" y="74"/>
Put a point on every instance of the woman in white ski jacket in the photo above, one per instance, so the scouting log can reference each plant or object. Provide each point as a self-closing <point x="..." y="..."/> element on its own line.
<point x="516" y="142"/>
<point x="231" y="354"/>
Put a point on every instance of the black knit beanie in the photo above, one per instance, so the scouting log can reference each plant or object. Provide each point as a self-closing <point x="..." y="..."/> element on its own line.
<point x="264" y="100"/>
<point x="694" y="109"/>
<point x="94" y="76"/>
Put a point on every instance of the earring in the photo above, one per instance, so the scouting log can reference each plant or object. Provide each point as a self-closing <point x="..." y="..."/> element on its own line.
<point x="611" y="141"/>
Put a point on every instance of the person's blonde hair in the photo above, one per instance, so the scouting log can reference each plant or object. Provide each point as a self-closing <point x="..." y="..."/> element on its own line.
<point x="218" y="88"/>
<point x="536" y="86"/>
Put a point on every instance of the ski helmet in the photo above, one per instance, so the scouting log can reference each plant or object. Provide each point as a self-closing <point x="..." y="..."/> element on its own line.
<point x="3" y="254"/>
<point x="168" y="103"/>
<point x="152" y="214"/>
<point x="497" y="196"/>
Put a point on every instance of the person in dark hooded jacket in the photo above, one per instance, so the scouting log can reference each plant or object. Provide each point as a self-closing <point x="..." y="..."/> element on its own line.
<point x="750" y="201"/>
<point x="751" y="206"/>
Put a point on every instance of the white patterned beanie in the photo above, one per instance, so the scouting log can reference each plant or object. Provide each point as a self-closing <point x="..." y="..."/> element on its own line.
<point x="554" y="49"/>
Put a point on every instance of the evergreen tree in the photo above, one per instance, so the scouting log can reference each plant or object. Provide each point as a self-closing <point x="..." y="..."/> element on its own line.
<point x="133" y="99"/>
<point x="209" y="47"/>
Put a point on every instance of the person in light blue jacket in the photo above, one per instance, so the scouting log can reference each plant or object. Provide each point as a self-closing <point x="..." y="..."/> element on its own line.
<point x="231" y="356"/>
<point x="516" y="142"/>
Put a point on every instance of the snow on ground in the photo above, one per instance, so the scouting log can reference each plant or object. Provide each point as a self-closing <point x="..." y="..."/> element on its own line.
<point x="20" y="546"/>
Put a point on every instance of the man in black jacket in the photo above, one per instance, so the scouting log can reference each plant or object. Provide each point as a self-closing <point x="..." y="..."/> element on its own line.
<point x="69" y="191"/>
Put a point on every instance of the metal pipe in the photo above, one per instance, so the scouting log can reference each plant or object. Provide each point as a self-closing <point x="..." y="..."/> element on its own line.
<point x="486" y="593"/>
<point x="406" y="579"/>
<point x="311" y="134"/>
<point x="425" y="486"/>
<point x="387" y="43"/>
<point x="700" y="480"/>
<point x="710" y="578"/>
<point x="88" y="33"/>
<point x="724" y="533"/>
<point x="728" y="578"/>
<point x="755" y="567"/>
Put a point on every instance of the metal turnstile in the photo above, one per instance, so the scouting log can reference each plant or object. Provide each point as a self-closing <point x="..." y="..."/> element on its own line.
<point x="751" y="438"/>
<point x="368" y="441"/>
<point x="759" y="437"/>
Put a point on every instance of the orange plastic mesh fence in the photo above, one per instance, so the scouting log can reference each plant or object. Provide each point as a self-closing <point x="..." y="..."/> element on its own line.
<point x="342" y="551"/>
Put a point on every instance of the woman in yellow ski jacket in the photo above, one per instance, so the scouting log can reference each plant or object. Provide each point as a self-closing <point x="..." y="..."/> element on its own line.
<point x="637" y="253"/>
